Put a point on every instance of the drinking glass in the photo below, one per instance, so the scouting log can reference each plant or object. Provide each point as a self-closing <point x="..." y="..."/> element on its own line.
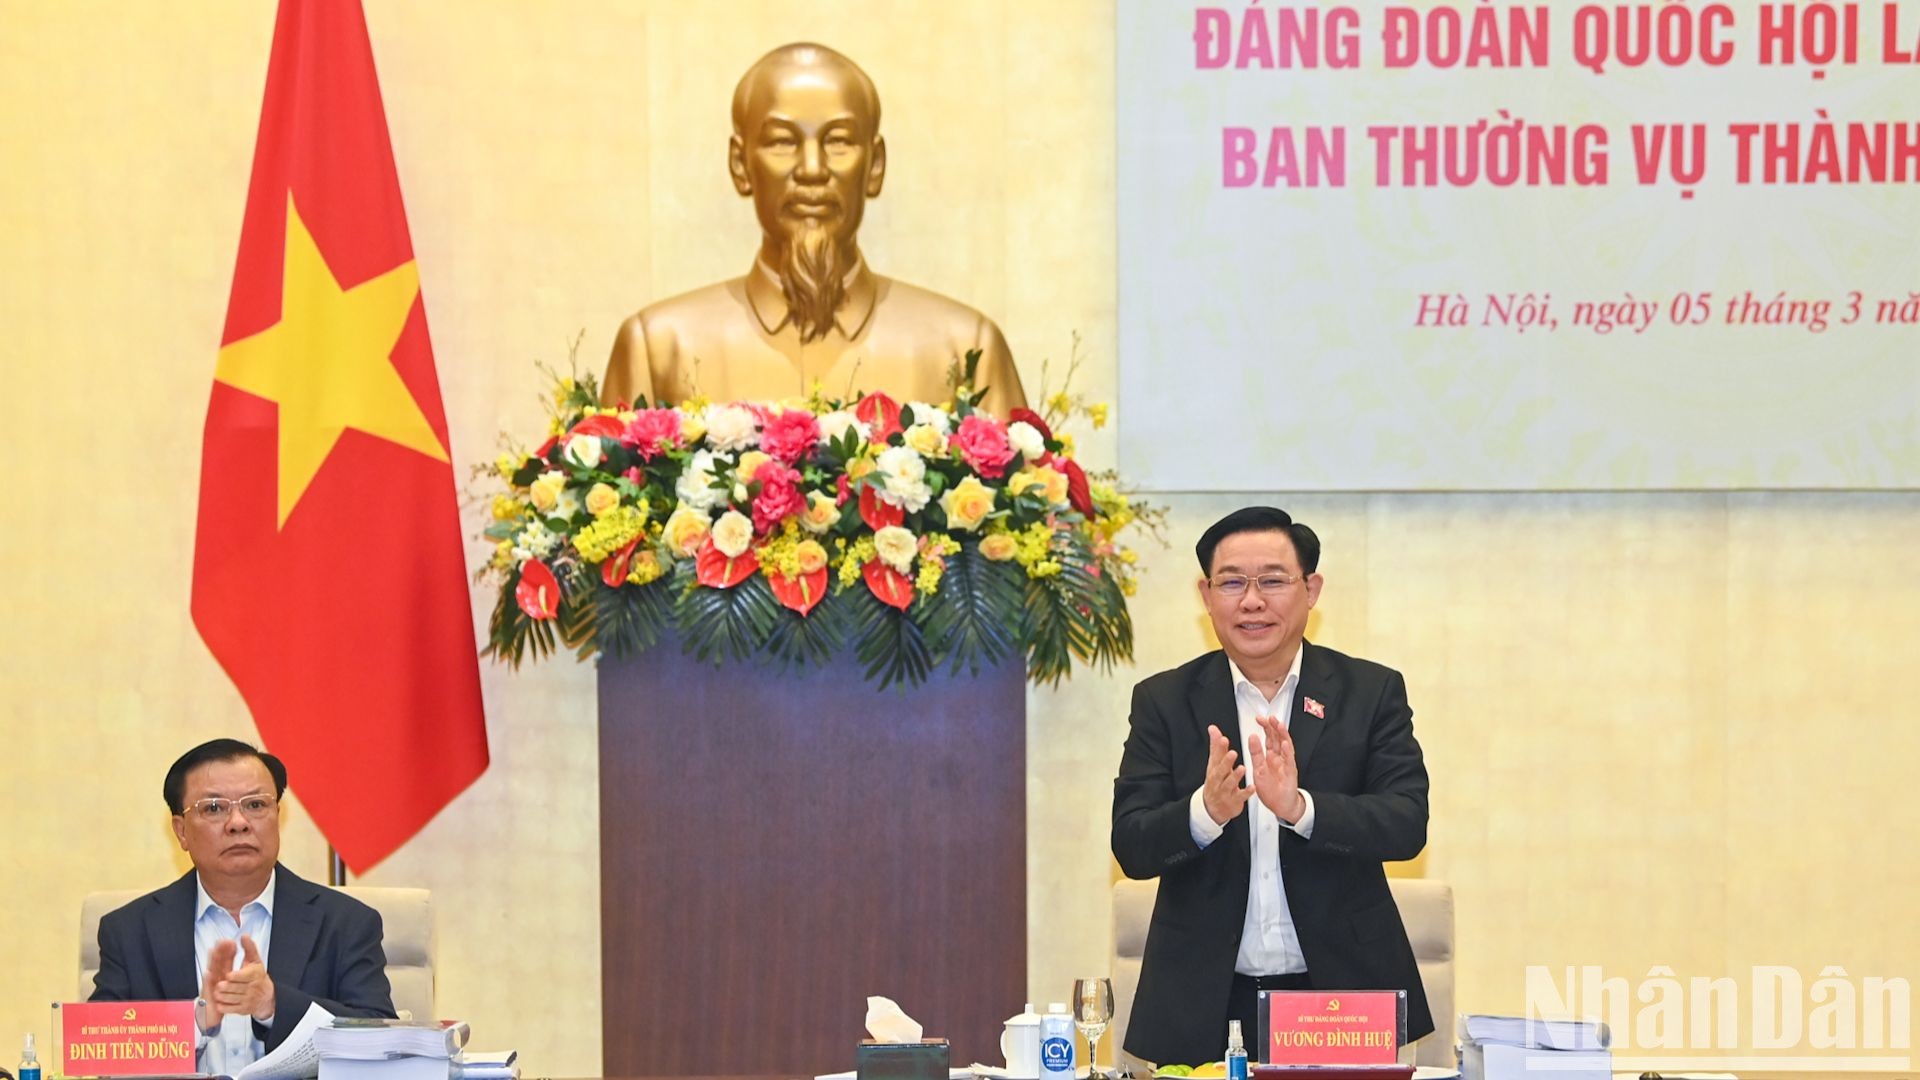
<point x="1092" y="1012"/>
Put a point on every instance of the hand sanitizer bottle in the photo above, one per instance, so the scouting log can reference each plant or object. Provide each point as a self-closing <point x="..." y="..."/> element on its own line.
<point x="1236" y="1052"/>
<point x="29" y="1061"/>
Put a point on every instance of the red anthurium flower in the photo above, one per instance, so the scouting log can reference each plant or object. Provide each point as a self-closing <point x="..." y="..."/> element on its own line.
<point x="799" y="593"/>
<point x="607" y="427"/>
<point x="890" y="585"/>
<point x="714" y="570"/>
<point x="546" y="448"/>
<point x="1033" y="418"/>
<point x="538" y="594"/>
<point x="881" y="413"/>
<point x="878" y="515"/>
<point x="1078" y="493"/>
<point x="614" y="570"/>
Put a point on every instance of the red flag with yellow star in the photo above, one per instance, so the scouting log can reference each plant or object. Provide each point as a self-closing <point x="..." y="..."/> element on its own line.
<point x="329" y="578"/>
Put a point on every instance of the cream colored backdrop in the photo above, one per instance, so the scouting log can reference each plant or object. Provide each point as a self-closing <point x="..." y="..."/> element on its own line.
<point x="1664" y="729"/>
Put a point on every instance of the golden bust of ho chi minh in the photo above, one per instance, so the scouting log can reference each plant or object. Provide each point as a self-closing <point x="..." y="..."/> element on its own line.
<point x="806" y="148"/>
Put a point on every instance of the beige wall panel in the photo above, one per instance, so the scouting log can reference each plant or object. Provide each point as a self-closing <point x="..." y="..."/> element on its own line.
<point x="1822" y="820"/>
<point x="1564" y="656"/>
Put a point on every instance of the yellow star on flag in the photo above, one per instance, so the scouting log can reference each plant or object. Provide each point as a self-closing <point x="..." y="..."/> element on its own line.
<point x="327" y="363"/>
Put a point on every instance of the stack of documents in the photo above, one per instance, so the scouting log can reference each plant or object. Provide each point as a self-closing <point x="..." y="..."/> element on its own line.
<point x="390" y="1050"/>
<point x="1524" y="1048"/>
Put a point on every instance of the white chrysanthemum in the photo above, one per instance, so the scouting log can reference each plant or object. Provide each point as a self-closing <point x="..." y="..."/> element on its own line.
<point x="695" y="486"/>
<point x="730" y="427"/>
<point x="903" y="462"/>
<point x="1026" y="440"/>
<point x="835" y="424"/>
<point x="932" y="415"/>
<point x="903" y="479"/>
<point x="896" y="547"/>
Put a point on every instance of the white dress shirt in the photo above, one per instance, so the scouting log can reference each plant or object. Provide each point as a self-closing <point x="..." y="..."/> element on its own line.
<point x="1269" y="945"/>
<point x="232" y="1046"/>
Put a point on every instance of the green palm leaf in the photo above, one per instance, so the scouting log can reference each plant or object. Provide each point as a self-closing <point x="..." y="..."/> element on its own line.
<point x="725" y="624"/>
<point x="971" y="620"/>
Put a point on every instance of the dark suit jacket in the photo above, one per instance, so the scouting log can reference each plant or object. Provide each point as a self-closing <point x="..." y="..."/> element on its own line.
<point x="1369" y="787"/>
<point x="325" y="948"/>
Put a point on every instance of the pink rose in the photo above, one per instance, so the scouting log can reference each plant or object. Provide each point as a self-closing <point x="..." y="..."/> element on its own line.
<point x="652" y="431"/>
<point x="779" y="497"/>
<point x="983" y="442"/>
<point x="791" y="435"/>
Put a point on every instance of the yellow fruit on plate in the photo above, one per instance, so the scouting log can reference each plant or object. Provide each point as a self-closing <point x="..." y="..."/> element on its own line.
<point x="1212" y="1070"/>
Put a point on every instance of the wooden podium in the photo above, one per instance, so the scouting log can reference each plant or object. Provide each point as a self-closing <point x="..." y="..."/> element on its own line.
<point x="776" y="844"/>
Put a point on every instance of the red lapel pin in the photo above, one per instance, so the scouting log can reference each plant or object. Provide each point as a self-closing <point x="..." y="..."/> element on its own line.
<point x="1316" y="708"/>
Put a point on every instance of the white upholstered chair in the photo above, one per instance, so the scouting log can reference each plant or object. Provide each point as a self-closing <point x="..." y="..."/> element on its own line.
<point x="1425" y="906"/>
<point x="406" y="917"/>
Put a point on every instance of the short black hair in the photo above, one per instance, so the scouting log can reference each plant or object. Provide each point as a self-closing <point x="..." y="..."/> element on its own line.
<point x="175" y="787"/>
<point x="1260" y="519"/>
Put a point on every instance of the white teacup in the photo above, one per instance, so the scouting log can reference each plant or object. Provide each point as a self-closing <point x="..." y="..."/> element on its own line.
<point x="1020" y="1045"/>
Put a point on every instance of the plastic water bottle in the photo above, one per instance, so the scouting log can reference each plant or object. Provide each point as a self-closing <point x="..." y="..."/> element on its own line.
<point x="29" y="1061"/>
<point x="1056" y="1043"/>
<point x="1236" y="1052"/>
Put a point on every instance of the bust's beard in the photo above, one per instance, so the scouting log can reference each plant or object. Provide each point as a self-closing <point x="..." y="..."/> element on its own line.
<point x="813" y="274"/>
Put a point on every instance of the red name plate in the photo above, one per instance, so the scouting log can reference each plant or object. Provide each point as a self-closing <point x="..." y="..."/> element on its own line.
<point x="127" y="1038"/>
<point x="1312" y="1027"/>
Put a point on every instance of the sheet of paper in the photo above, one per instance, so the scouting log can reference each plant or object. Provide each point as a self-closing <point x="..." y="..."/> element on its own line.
<point x="294" y="1059"/>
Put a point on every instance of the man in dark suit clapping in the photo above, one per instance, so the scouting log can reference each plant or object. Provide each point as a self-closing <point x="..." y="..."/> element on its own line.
<point x="1265" y="784"/>
<point x="251" y="943"/>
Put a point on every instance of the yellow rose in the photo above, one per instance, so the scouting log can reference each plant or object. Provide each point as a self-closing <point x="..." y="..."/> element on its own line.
<point x="545" y="491"/>
<point x="858" y="468"/>
<point x="967" y="503"/>
<point x="811" y="555"/>
<point x="821" y="514"/>
<point x="1051" y="484"/>
<point x="733" y="534"/>
<point x="896" y="547"/>
<point x="924" y="438"/>
<point x="750" y="463"/>
<point x="1056" y="485"/>
<point x="601" y="498"/>
<point x="692" y="430"/>
<point x="685" y="531"/>
<point x="998" y="547"/>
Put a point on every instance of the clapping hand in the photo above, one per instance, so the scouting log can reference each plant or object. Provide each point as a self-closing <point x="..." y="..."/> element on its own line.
<point x="1275" y="775"/>
<point x="1225" y="792"/>
<point x="247" y="991"/>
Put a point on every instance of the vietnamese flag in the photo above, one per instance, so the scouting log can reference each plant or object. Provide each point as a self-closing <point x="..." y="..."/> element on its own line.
<point x="329" y="578"/>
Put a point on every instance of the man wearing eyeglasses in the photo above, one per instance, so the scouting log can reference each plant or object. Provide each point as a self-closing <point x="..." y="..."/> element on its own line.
<point x="251" y="943"/>
<point x="1264" y="785"/>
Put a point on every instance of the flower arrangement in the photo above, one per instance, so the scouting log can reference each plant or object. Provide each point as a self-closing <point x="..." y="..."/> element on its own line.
<point x="921" y="534"/>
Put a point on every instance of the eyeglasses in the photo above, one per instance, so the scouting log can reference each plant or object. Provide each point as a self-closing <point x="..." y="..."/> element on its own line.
<point x="216" y="810"/>
<point x="1235" y="585"/>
